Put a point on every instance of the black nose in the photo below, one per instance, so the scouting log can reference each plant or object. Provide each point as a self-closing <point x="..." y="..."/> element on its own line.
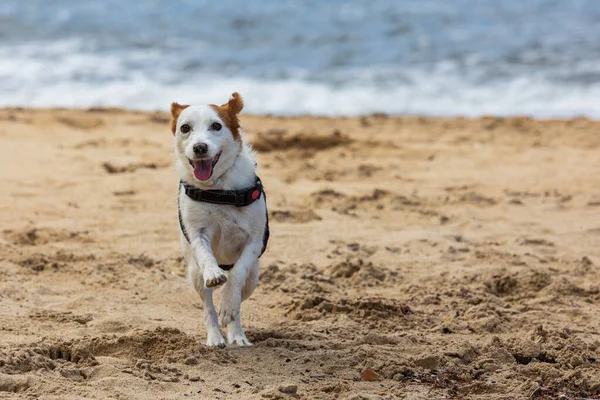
<point x="200" y="149"/>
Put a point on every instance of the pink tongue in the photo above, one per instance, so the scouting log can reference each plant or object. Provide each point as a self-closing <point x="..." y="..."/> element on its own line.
<point x="203" y="169"/>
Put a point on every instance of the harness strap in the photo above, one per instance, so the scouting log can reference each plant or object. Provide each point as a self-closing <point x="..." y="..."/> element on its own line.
<point x="238" y="198"/>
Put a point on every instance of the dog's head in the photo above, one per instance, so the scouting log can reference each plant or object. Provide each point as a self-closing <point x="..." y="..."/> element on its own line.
<point x="207" y="138"/>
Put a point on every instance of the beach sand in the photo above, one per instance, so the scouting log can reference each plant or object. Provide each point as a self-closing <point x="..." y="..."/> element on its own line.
<point x="409" y="258"/>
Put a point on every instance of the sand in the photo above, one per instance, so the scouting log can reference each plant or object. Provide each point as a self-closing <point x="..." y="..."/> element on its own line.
<point x="410" y="258"/>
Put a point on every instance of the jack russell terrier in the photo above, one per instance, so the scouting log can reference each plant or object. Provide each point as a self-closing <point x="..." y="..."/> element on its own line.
<point x="222" y="211"/>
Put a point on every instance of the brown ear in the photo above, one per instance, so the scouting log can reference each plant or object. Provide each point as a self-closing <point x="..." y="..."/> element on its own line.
<point x="235" y="104"/>
<point x="176" y="109"/>
<point x="228" y="113"/>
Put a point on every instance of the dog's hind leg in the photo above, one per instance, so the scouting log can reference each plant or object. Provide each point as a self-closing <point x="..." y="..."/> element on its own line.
<point x="213" y="333"/>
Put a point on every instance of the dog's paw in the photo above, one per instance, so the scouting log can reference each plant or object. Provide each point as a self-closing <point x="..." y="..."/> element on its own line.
<point x="238" y="339"/>
<point x="215" y="340"/>
<point x="214" y="279"/>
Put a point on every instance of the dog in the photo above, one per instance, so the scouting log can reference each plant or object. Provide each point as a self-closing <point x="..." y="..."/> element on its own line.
<point x="222" y="211"/>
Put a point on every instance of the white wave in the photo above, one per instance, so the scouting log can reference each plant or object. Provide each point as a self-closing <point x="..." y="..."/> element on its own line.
<point x="65" y="75"/>
<point x="519" y="97"/>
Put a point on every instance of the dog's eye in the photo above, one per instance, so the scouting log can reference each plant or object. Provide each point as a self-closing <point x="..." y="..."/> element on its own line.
<point x="216" y="126"/>
<point x="185" y="128"/>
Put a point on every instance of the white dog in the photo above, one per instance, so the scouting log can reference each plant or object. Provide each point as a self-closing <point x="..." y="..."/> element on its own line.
<point x="222" y="211"/>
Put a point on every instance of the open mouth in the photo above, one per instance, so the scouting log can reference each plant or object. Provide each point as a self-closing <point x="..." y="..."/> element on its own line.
<point x="203" y="169"/>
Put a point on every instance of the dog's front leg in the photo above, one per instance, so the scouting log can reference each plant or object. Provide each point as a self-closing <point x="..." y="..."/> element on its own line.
<point x="231" y="297"/>
<point x="212" y="274"/>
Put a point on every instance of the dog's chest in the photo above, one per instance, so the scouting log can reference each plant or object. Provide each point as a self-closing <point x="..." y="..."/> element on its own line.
<point x="229" y="228"/>
<point x="232" y="222"/>
<point x="232" y="233"/>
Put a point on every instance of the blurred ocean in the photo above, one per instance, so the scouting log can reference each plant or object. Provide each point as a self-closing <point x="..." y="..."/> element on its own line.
<point x="432" y="57"/>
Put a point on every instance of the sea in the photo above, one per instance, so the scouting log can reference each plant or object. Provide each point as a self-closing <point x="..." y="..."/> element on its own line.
<point x="319" y="57"/>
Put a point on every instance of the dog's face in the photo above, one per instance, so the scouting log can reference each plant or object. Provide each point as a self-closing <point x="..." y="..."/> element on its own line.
<point x="207" y="138"/>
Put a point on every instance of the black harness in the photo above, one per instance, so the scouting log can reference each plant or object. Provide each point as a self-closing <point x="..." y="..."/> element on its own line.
<point x="238" y="198"/>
